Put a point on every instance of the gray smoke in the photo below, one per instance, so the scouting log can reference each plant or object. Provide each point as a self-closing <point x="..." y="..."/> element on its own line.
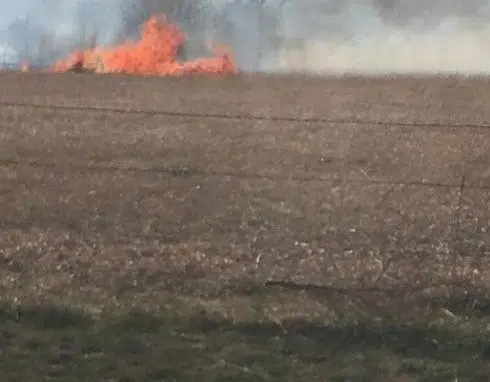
<point x="42" y="32"/>
<point x="379" y="36"/>
<point x="321" y="36"/>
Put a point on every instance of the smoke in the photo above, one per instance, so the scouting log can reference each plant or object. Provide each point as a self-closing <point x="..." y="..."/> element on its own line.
<point x="320" y="36"/>
<point x="380" y="36"/>
<point x="42" y="32"/>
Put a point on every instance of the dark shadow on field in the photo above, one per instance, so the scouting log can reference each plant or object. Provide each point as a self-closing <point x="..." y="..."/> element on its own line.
<point x="59" y="342"/>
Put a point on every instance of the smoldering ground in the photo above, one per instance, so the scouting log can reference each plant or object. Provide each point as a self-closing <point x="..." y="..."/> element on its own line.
<point x="320" y="36"/>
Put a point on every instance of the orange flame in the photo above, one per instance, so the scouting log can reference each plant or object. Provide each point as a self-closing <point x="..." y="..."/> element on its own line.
<point x="24" y="66"/>
<point x="154" y="54"/>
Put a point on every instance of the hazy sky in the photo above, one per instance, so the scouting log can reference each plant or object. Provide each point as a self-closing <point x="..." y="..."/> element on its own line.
<point x="36" y="9"/>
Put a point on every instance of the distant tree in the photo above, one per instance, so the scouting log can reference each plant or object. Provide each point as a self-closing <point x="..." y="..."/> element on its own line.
<point x="251" y="29"/>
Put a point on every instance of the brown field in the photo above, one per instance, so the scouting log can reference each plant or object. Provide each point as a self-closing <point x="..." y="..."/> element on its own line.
<point x="249" y="228"/>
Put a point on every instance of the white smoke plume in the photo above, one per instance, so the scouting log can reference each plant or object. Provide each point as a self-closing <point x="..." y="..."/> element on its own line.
<point x="318" y="36"/>
<point x="380" y="36"/>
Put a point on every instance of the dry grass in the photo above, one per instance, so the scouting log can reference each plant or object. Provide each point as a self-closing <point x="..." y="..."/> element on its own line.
<point x="138" y="245"/>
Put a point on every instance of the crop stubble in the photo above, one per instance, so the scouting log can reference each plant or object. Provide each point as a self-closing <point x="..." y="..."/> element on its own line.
<point x="126" y="193"/>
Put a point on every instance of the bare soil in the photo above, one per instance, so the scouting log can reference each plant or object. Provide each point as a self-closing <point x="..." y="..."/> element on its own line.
<point x="247" y="228"/>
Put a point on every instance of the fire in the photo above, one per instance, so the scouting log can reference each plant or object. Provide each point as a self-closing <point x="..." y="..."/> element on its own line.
<point x="156" y="53"/>
<point x="24" y="66"/>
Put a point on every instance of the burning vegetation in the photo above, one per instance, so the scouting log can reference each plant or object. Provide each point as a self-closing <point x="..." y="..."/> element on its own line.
<point x="155" y="53"/>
